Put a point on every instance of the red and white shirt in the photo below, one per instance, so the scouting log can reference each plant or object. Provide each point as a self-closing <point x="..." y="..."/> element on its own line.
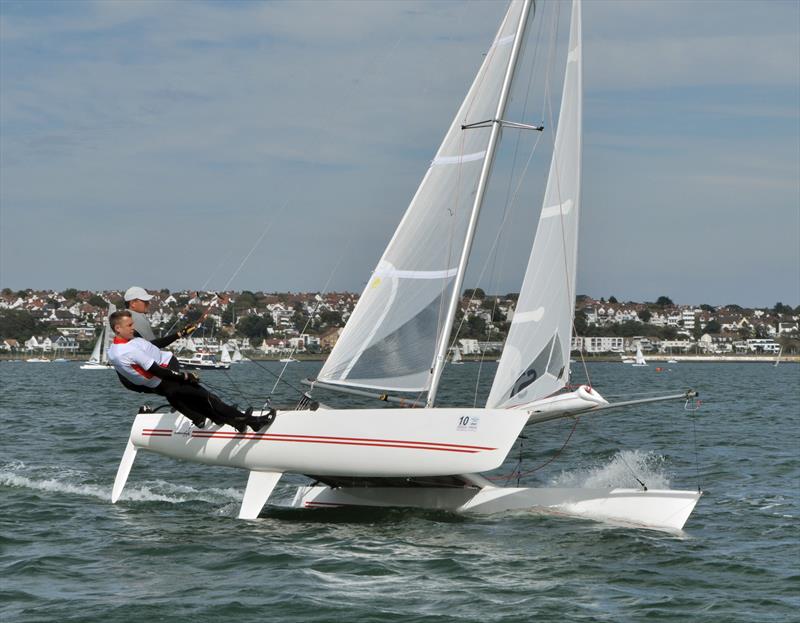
<point x="132" y="359"/>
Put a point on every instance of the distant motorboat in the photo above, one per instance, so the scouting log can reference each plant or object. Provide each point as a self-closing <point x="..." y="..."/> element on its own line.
<point x="38" y="360"/>
<point x="288" y="360"/>
<point x="672" y="361"/>
<point x="202" y="361"/>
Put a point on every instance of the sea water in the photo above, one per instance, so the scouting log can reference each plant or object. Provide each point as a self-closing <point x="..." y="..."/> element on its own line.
<point x="173" y="550"/>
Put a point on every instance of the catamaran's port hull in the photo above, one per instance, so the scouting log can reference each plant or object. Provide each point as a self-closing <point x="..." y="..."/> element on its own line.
<point x="655" y="509"/>
<point x="353" y="442"/>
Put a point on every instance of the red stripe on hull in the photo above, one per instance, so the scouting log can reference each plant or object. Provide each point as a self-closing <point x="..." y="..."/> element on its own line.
<point x="343" y="441"/>
<point x="426" y="445"/>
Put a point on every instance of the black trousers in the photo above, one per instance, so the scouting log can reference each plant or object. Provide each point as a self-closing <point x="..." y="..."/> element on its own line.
<point x="197" y="403"/>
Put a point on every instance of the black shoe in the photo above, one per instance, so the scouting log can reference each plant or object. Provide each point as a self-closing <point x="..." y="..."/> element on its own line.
<point x="262" y="423"/>
<point x="240" y="424"/>
<point x="199" y="423"/>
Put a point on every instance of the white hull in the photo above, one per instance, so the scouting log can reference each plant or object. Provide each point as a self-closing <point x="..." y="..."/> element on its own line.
<point x="655" y="509"/>
<point x="95" y="366"/>
<point x="353" y="442"/>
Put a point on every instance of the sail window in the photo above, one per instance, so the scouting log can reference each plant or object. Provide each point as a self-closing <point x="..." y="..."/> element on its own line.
<point x="556" y="364"/>
<point x="405" y="351"/>
<point x="533" y="371"/>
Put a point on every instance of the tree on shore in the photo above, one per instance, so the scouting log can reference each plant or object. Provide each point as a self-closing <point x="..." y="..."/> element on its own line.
<point x="19" y="324"/>
<point x="254" y="327"/>
<point x="474" y="293"/>
<point x="664" y="301"/>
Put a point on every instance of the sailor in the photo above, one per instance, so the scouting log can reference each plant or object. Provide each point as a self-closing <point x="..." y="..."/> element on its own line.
<point x="143" y="367"/>
<point x="137" y="301"/>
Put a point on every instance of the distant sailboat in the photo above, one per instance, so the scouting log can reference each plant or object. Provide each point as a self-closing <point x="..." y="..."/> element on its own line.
<point x="640" y="360"/>
<point x="778" y="358"/>
<point x="237" y="355"/>
<point x="98" y="360"/>
<point x="225" y="355"/>
<point x="456" y="359"/>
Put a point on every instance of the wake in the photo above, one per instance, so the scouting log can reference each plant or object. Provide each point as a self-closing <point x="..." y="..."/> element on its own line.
<point x="18" y="475"/>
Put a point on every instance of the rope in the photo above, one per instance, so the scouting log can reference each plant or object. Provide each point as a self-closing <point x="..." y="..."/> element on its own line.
<point x="545" y="464"/>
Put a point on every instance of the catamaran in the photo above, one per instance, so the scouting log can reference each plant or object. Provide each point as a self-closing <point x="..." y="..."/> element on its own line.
<point x="397" y="340"/>
<point x="98" y="360"/>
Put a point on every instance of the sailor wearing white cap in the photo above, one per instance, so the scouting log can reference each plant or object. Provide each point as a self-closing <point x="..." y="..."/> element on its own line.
<point x="137" y="301"/>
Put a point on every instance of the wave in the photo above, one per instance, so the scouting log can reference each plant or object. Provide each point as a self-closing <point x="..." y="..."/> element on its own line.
<point x="154" y="491"/>
<point x="621" y="471"/>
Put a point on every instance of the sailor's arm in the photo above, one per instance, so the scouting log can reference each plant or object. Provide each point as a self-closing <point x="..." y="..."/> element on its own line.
<point x="167" y="374"/>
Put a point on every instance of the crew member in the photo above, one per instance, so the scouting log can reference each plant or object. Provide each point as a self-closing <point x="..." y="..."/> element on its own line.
<point x="143" y="367"/>
<point x="137" y="301"/>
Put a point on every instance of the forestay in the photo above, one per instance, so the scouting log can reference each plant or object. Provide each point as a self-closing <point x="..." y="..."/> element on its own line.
<point x="391" y="339"/>
<point x="535" y="360"/>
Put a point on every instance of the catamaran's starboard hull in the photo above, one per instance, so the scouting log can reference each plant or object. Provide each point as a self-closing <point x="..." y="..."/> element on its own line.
<point x="654" y="509"/>
<point x="363" y="442"/>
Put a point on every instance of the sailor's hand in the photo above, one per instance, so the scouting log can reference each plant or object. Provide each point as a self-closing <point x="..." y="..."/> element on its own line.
<point x="191" y="377"/>
<point x="187" y="330"/>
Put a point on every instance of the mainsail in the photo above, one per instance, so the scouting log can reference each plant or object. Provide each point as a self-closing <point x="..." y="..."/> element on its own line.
<point x="535" y="360"/>
<point x="394" y="333"/>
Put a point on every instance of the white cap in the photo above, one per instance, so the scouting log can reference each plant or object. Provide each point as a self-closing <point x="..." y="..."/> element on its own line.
<point x="135" y="292"/>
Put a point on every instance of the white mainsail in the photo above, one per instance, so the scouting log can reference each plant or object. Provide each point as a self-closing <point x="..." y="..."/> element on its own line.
<point x="225" y="354"/>
<point x="535" y="360"/>
<point x="391" y="340"/>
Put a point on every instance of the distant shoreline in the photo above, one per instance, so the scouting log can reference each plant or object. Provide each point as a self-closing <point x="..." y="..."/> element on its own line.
<point x="658" y="358"/>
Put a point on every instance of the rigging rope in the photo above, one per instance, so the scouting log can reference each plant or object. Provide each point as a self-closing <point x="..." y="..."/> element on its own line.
<point x="519" y="474"/>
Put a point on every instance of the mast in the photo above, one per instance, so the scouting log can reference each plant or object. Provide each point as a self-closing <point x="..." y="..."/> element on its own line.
<point x="476" y="206"/>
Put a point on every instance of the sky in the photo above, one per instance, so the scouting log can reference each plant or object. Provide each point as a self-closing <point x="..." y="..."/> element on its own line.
<point x="274" y="146"/>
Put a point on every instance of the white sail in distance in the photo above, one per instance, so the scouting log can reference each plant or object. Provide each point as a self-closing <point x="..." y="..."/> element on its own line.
<point x="535" y="359"/>
<point x="392" y="337"/>
<point x="98" y="347"/>
<point x="108" y="334"/>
